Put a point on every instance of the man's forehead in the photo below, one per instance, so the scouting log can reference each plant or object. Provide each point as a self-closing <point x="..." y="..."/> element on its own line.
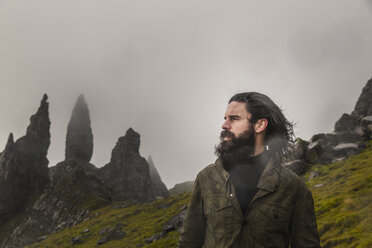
<point x="237" y="108"/>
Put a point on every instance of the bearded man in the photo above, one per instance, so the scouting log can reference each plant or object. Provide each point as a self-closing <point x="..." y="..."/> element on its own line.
<point x="246" y="198"/>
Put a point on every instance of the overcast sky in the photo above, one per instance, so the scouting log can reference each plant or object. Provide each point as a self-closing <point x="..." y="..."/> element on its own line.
<point x="167" y="68"/>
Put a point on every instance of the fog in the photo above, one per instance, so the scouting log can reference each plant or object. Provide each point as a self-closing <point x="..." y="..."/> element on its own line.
<point x="167" y="68"/>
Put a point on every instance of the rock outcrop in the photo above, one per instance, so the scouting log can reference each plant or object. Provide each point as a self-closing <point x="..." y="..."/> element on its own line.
<point x="79" y="137"/>
<point x="127" y="173"/>
<point x="24" y="165"/>
<point x="74" y="191"/>
<point x="158" y="186"/>
<point x="347" y="138"/>
<point x="75" y="186"/>
<point x="363" y="107"/>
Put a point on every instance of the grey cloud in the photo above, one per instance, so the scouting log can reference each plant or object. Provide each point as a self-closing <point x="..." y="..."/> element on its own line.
<point x="167" y="68"/>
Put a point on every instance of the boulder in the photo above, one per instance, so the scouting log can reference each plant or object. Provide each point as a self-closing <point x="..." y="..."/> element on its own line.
<point x="320" y="148"/>
<point x="346" y="123"/>
<point x="79" y="137"/>
<point x="346" y="149"/>
<point x="111" y="234"/>
<point x="349" y="137"/>
<point x="297" y="150"/>
<point x="175" y="222"/>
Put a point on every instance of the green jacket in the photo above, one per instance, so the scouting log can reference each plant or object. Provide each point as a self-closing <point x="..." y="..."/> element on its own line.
<point x="281" y="212"/>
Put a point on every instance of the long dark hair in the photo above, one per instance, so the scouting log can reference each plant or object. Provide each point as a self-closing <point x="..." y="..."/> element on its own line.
<point x="279" y="131"/>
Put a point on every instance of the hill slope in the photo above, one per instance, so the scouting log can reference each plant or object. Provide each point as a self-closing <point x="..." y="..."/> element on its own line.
<point x="343" y="200"/>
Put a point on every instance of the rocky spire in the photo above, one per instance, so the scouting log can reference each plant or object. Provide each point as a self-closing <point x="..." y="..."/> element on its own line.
<point x="128" y="174"/>
<point x="79" y="137"/>
<point x="32" y="148"/>
<point x="24" y="165"/>
<point x="10" y="141"/>
<point x="158" y="186"/>
<point x="363" y="107"/>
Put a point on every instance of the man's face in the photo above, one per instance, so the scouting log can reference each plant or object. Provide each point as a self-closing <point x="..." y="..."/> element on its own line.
<point x="238" y="135"/>
<point x="236" y="119"/>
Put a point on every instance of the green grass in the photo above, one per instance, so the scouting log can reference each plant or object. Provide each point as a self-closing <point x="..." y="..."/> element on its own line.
<point x="140" y="221"/>
<point x="343" y="209"/>
<point x="344" y="204"/>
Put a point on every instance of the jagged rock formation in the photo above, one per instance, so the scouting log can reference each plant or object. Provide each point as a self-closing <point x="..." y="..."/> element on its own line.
<point x="74" y="191"/>
<point x="350" y="130"/>
<point x="24" y="165"/>
<point x="79" y="137"/>
<point x="127" y="173"/>
<point x="75" y="186"/>
<point x="158" y="186"/>
<point x="363" y="107"/>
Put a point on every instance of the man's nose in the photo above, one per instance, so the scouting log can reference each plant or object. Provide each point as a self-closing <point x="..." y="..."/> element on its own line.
<point x="226" y="125"/>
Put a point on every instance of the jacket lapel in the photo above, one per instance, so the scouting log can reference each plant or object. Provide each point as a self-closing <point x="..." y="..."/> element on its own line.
<point x="268" y="181"/>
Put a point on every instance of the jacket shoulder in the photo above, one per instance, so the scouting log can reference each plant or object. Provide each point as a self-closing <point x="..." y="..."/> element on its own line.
<point x="209" y="169"/>
<point x="291" y="178"/>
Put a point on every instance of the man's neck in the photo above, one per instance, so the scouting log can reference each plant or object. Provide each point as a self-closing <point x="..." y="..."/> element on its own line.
<point x="258" y="150"/>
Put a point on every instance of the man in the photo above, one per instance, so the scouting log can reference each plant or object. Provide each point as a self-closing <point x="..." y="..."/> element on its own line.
<point x="246" y="198"/>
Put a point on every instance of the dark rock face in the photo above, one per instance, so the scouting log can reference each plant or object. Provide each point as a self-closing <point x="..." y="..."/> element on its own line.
<point x="75" y="190"/>
<point x="79" y="138"/>
<point x="128" y="174"/>
<point x="297" y="150"/>
<point x="112" y="234"/>
<point x="320" y="148"/>
<point x="346" y="123"/>
<point x="359" y="122"/>
<point x="363" y="106"/>
<point x="158" y="186"/>
<point x="24" y="165"/>
<point x="175" y="223"/>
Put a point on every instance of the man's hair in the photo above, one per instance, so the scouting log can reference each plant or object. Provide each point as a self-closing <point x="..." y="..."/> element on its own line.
<point x="279" y="131"/>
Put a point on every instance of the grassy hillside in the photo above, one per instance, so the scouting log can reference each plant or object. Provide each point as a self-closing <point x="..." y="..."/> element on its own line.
<point x="343" y="201"/>
<point x="139" y="222"/>
<point x="342" y="193"/>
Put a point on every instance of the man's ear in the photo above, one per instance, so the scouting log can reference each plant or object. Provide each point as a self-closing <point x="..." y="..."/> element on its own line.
<point x="261" y="125"/>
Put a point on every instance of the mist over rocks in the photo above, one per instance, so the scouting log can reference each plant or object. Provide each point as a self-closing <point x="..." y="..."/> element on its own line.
<point x="127" y="173"/>
<point x="79" y="137"/>
<point x="158" y="186"/>
<point x="24" y="165"/>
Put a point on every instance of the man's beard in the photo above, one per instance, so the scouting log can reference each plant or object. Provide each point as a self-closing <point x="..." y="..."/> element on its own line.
<point x="236" y="147"/>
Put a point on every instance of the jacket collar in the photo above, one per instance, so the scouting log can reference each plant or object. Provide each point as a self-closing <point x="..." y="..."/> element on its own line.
<point x="222" y="176"/>
<point x="268" y="181"/>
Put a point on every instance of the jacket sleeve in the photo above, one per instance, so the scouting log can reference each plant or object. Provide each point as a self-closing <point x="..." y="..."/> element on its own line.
<point x="304" y="232"/>
<point x="193" y="228"/>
